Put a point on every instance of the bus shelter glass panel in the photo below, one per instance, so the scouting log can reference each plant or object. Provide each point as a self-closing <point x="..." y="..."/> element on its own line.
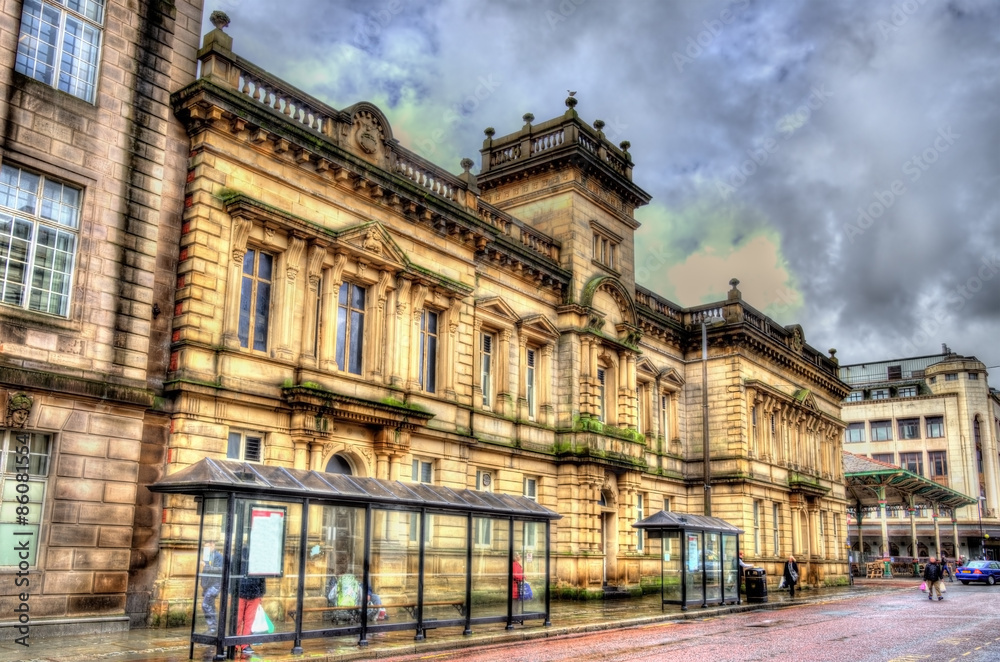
<point x="713" y="568"/>
<point x="210" y="562"/>
<point x="694" y="574"/>
<point x="445" y="568"/>
<point x="334" y="563"/>
<point x="395" y="563"/>
<point x="490" y="554"/>
<point x="264" y="565"/>
<point x="672" y="570"/>
<point x="531" y="590"/>
<point x="731" y="563"/>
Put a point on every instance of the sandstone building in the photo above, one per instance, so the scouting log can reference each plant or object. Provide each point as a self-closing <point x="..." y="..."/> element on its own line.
<point x="91" y="190"/>
<point x="934" y="416"/>
<point x="344" y="305"/>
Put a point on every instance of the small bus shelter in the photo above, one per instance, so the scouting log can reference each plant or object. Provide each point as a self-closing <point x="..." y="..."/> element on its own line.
<point x="301" y="545"/>
<point x="700" y="558"/>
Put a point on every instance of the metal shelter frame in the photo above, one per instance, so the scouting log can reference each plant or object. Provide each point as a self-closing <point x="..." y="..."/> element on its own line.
<point x="236" y="481"/>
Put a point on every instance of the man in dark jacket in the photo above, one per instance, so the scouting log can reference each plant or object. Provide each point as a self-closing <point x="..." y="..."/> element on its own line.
<point x="933" y="576"/>
<point x="211" y="581"/>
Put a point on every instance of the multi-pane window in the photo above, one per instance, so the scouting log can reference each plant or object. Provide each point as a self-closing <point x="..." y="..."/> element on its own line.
<point x="531" y="359"/>
<point x="665" y="417"/>
<point x="640" y="514"/>
<point x="855" y="396"/>
<point x="895" y="372"/>
<point x="951" y="377"/>
<point x="888" y="458"/>
<point x="938" y="462"/>
<point x="246" y="446"/>
<point x="912" y="462"/>
<point x="909" y="428"/>
<point x="24" y="470"/>
<point x="935" y="426"/>
<point x="60" y="44"/>
<point x="775" y="525"/>
<point x="422" y="472"/>
<point x="39" y="220"/>
<point x="907" y="392"/>
<point x="428" y="350"/>
<point x="854" y="433"/>
<point x="973" y="376"/>
<point x="600" y="394"/>
<point x="881" y="430"/>
<point x="255" y="300"/>
<point x="880" y="394"/>
<point x="350" y="327"/>
<point x="483" y="526"/>
<point x="530" y="492"/>
<point x="486" y="346"/>
<point x="756" y="528"/>
<point x="604" y="250"/>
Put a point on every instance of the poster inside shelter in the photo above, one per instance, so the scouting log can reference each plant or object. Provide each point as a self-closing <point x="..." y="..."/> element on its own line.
<point x="267" y="540"/>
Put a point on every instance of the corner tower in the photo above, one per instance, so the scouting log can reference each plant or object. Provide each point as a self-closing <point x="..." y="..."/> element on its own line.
<point x="568" y="181"/>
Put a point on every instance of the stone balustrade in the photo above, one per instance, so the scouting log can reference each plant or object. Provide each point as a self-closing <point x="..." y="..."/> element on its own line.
<point x="515" y="229"/>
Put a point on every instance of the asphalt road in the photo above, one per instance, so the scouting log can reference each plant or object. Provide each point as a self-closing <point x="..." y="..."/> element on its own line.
<point x="891" y="627"/>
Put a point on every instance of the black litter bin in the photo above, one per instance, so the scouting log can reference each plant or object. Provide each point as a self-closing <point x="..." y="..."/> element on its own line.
<point x="756" y="582"/>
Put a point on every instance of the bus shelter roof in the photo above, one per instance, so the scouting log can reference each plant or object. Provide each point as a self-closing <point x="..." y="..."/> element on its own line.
<point x="677" y="521"/>
<point x="209" y="476"/>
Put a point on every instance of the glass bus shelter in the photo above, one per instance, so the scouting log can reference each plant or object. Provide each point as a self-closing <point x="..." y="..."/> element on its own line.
<point x="700" y="558"/>
<point x="302" y="544"/>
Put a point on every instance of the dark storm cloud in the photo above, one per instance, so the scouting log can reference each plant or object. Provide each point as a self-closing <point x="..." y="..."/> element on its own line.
<point x="817" y="123"/>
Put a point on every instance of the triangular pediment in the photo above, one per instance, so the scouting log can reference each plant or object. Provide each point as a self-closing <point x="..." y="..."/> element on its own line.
<point x="373" y="241"/>
<point x="539" y="325"/>
<point x="672" y="377"/>
<point x="646" y="367"/>
<point x="497" y="308"/>
<point x="805" y="398"/>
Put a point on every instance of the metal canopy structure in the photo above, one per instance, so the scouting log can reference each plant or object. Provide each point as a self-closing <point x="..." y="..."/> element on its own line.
<point x="700" y="558"/>
<point x="874" y="487"/>
<point x="224" y="476"/>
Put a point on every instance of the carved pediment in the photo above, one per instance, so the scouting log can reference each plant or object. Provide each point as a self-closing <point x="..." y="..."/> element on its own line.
<point x="374" y="242"/>
<point x="645" y="366"/>
<point x="670" y="377"/>
<point x="538" y="325"/>
<point x="806" y="399"/>
<point x="496" y="308"/>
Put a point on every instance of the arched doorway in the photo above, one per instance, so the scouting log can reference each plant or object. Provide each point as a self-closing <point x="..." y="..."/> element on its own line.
<point x="339" y="464"/>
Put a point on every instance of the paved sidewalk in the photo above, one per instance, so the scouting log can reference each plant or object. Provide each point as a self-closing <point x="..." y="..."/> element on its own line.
<point x="568" y="617"/>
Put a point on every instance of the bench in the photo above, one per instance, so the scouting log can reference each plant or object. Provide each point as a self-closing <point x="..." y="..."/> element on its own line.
<point x="410" y="607"/>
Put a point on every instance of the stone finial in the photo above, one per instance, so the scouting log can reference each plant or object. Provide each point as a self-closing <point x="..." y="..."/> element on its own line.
<point x="833" y="352"/>
<point x="219" y="19"/>
<point x="734" y="293"/>
<point x="528" y="118"/>
<point x="733" y="282"/>
<point x="571" y="100"/>
<point x="599" y="124"/>
<point x="467" y="164"/>
<point x="624" y="145"/>
<point x="490" y="132"/>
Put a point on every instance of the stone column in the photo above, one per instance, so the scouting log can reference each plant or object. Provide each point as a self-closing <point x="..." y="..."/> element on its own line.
<point x="504" y="400"/>
<point x="402" y="334"/>
<point x="301" y="453"/>
<point x="310" y="321"/>
<point x="522" y="383"/>
<point x="287" y="295"/>
<point x="315" y="456"/>
<point x="376" y="337"/>
<point x="451" y="356"/>
<point x="420" y="292"/>
<point x="883" y="520"/>
<point x="937" y="532"/>
<point x="231" y="317"/>
<point x="954" y="532"/>
<point x="547" y="409"/>
<point x="382" y="461"/>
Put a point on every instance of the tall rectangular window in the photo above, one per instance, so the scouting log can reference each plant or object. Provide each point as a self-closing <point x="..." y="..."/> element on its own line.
<point x="756" y="528"/>
<point x="935" y="426"/>
<point x="60" y="44"/>
<point x="483" y="531"/>
<point x="319" y="317"/>
<point x="640" y="409"/>
<point x="665" y="417"/>
<point x="881" y="430"/>
<point x="912" y="462"/>
<point x="39" y="219"/>
<point x="531" y="359"/>
<point x="530" y="492"/>
<point x="255" y="300"/>
<point x="350" y="327"/>
<point x="909" y="428"/>
<point x="246" y="446"/>
<point x="422" y="472"/>
<point x="428" y="350"/>
<point x="600" y="395"/>
<point x="24" y="471"/>
<point x="854" y="433"/>
<point x="938" y="461"/>
<point x="776" y="524"/>
<point x="836" y="536"/>
<point x="640" y="514"/>
<point x="486" y="345"/>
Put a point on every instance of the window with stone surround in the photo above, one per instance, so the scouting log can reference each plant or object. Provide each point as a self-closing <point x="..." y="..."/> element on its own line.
<point x="854" y="433"/>
<point x="428" y="350"/>
<point x="880" y="394"/>
<point x="907" y="392"/>
<point x="756" y="526"/>
<point x="530" y="492"/>
<point x="246" y="446"/>
<point x="422" y="471"/>
<point x="39" y="222"/>
<point x="776" y="531"/>
<point x="909" y="428"/>
<point x="24" y="460"/>
<point x="530" y="382"/>
<point x="60" y="44"/>
<point x="935" y="426"/>
<point x="938" y="463"/>
<point x="350" y="327"/>
<point x="483" y="526"/>
<point x="881" y="430"/>
<point x="255" y="300"/>
<point x="601" y="384"/>
<point x="605" y="246"/>
<point x="665" y="416"/>
<point x="640" y="514"/>
<point x="487" y="357"/>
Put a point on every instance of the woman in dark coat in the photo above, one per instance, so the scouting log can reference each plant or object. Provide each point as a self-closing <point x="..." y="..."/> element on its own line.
<point x="791" y="575"/>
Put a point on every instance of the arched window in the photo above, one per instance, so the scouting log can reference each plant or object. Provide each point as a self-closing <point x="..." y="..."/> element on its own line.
<point x="338" y="465"/>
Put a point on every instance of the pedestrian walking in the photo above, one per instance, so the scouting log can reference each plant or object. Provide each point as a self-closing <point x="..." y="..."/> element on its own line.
<point x="211" y="582"/>
<point x="791" y="575"/>
<point x="933" y="575"/>
<point x="743" y="567"/>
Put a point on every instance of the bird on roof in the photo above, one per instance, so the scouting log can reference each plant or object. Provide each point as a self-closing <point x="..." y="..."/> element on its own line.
<point x="572" y="93"/>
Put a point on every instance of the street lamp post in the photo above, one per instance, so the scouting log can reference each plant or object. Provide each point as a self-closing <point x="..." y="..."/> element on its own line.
<point x="705" y="323"/>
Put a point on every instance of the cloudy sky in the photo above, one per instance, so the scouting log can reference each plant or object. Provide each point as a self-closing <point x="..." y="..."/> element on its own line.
<point x="842" y="159"/>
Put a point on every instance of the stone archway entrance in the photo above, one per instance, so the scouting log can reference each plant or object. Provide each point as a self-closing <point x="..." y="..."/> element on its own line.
<point x="338" y="464"/>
